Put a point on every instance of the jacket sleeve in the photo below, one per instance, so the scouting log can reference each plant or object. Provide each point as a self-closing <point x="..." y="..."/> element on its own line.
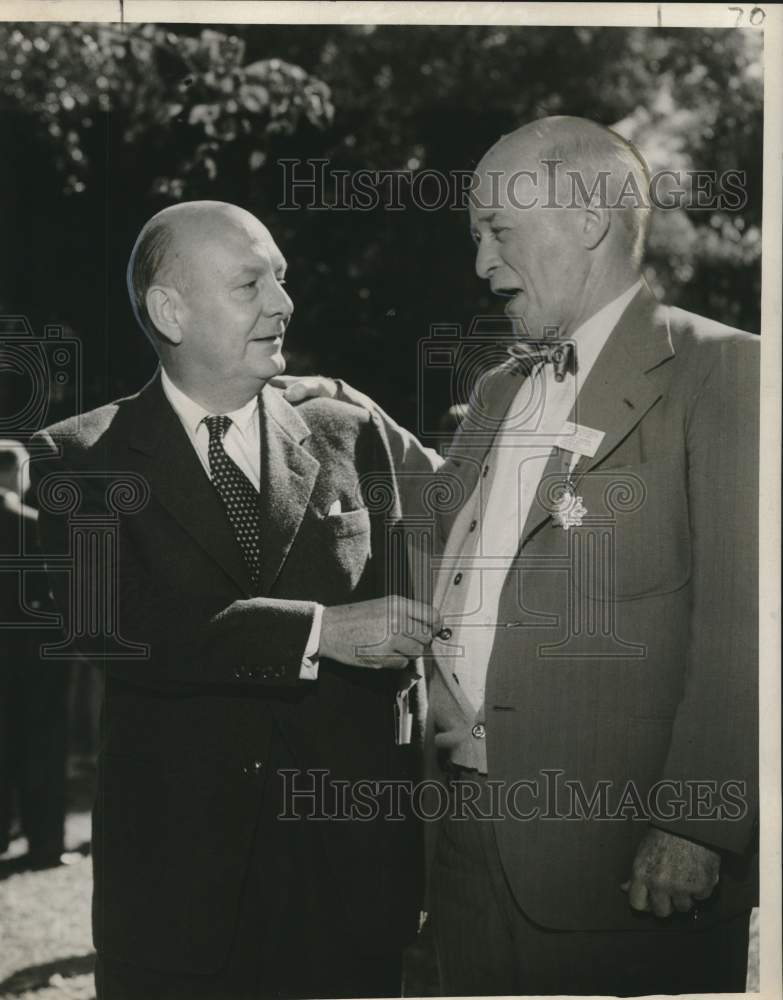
<point x="715" y="734"/>
<point x="257" y="641"/>
<point x="412" y="462"/>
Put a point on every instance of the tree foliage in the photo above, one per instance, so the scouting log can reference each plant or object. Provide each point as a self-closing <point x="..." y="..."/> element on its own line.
<point x="106" y="125"/>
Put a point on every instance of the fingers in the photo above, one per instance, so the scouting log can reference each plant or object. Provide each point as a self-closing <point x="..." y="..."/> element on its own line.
<point x="682" y="902"/>
<point x="311" y="387"/>
<point x="661" y="903"/>
<point x="704" y="894"/>
<point x="638" y="896"/>
<point x="418" y="617"/>
<point x="390" y="662"/>
<point x="409" y="646"/>
<point x="295" y="393"/>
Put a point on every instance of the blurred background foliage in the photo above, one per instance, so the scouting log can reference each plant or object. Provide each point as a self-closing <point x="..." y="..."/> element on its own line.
<point x="103" y="125"/>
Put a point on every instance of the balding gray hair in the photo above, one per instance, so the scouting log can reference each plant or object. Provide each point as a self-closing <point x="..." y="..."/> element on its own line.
<point x="149" y="261"/>
<point x="586" y="151"/>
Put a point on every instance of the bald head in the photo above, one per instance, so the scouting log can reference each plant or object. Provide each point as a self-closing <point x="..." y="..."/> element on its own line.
<point x="592" y="165"/>
<point x="206" y="280"/>
<point x="172" y="243"/>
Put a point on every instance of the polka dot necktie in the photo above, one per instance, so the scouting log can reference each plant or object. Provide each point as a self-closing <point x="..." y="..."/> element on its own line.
<point x="237" y="493"/>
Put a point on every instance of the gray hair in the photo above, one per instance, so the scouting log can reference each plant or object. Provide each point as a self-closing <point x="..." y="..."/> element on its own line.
<point x="586" y="150"/>
<point x="148" y="261"/>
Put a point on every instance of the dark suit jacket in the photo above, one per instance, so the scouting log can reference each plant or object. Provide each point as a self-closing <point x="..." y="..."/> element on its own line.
<point x="186" y="730"/>
<point x="632" y="656"/>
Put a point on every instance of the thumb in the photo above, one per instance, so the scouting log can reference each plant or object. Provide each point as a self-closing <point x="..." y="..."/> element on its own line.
<point x="295" y="393"/>
<point x="638" y="896"/>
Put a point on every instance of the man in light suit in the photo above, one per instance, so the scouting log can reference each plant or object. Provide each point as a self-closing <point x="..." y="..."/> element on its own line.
<point x="593" y="694"/>
<point x="626" y="543"/>
<point x="253" y="572"/>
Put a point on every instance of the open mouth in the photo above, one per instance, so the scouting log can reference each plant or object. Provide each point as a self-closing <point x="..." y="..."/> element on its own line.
<point x="514" y="295"/>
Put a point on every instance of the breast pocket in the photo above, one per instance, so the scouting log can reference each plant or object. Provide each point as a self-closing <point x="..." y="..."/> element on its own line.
<point x="342" y="550"/>
<point x="634" y="540"/>
<point x="352" y="522"/>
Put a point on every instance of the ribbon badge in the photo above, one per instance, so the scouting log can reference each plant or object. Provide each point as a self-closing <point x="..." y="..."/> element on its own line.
<point x="569" y="509"/>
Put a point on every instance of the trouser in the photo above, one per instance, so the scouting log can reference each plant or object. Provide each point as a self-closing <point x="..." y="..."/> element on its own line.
<point x="290" y="939"/>
<point x="33" y="745"/>
<point x="487" y="946"/>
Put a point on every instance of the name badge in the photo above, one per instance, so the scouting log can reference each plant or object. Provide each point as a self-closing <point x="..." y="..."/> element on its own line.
<point x="579" y="439"/>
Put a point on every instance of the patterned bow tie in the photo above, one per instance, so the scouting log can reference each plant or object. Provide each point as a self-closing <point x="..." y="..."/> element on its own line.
<point x="560" y="354"/>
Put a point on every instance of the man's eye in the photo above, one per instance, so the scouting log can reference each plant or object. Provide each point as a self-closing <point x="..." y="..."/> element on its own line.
<point x="249" y="284"/>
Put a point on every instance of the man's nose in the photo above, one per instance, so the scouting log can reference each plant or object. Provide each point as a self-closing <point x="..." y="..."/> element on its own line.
<point x="279" y="304"/>
<point x="486" y="259"/>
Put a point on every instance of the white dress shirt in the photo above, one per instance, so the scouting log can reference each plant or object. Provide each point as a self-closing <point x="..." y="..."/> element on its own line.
<point x="242" y="443"/>
<point x="485" y="537"/>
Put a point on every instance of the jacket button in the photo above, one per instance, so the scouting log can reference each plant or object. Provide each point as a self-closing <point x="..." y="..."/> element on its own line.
<point x="258" y="766"/>
<point x="473" y="524"/>
<point x="239" y="673"/>
<point x="445" y="634"/>
<point x="458" y="578"/>
<point x="479" y="731"/>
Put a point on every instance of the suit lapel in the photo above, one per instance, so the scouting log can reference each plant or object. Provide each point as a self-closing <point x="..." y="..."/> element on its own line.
<point x="475" y="436"/>
<point x="620" y="389"/>
<point x="178" y="480"/>
<point x="288" y="475"/>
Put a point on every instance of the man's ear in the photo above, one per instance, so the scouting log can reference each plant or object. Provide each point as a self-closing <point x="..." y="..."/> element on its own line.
<point x="163" y="306"/>
<point x="595" y="226"/>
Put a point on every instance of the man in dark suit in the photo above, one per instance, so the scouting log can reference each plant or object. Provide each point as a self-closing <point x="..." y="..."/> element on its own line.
<point x="33" y="690"/>
<point x="593" y="694"/>
<point x="252" y="569"/>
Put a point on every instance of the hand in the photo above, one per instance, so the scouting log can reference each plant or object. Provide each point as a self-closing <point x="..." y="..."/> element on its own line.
<point x="670" y="872"/>
<point x="299" y="388"/>
<point x="385" y="632"/>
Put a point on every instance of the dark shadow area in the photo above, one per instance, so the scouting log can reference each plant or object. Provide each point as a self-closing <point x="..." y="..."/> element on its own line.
<point x="35" y="977"/>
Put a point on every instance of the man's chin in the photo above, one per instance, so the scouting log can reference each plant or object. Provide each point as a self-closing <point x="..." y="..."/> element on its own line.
<point x="271" y="367"/>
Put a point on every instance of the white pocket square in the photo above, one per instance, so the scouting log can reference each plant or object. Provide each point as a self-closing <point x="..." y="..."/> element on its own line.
<point x="336" y="508"/>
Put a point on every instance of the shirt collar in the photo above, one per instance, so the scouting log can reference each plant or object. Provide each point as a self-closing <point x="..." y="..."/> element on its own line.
<point x="591" y="336"/>
<point x="192" y="413"/>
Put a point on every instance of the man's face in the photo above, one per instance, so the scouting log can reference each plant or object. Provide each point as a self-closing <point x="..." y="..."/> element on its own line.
<point x="234" y="308"/>
<point x="533" y="256"/>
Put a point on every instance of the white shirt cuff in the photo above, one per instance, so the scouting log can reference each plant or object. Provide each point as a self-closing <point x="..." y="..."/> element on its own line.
<point x="309" y="669"/>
